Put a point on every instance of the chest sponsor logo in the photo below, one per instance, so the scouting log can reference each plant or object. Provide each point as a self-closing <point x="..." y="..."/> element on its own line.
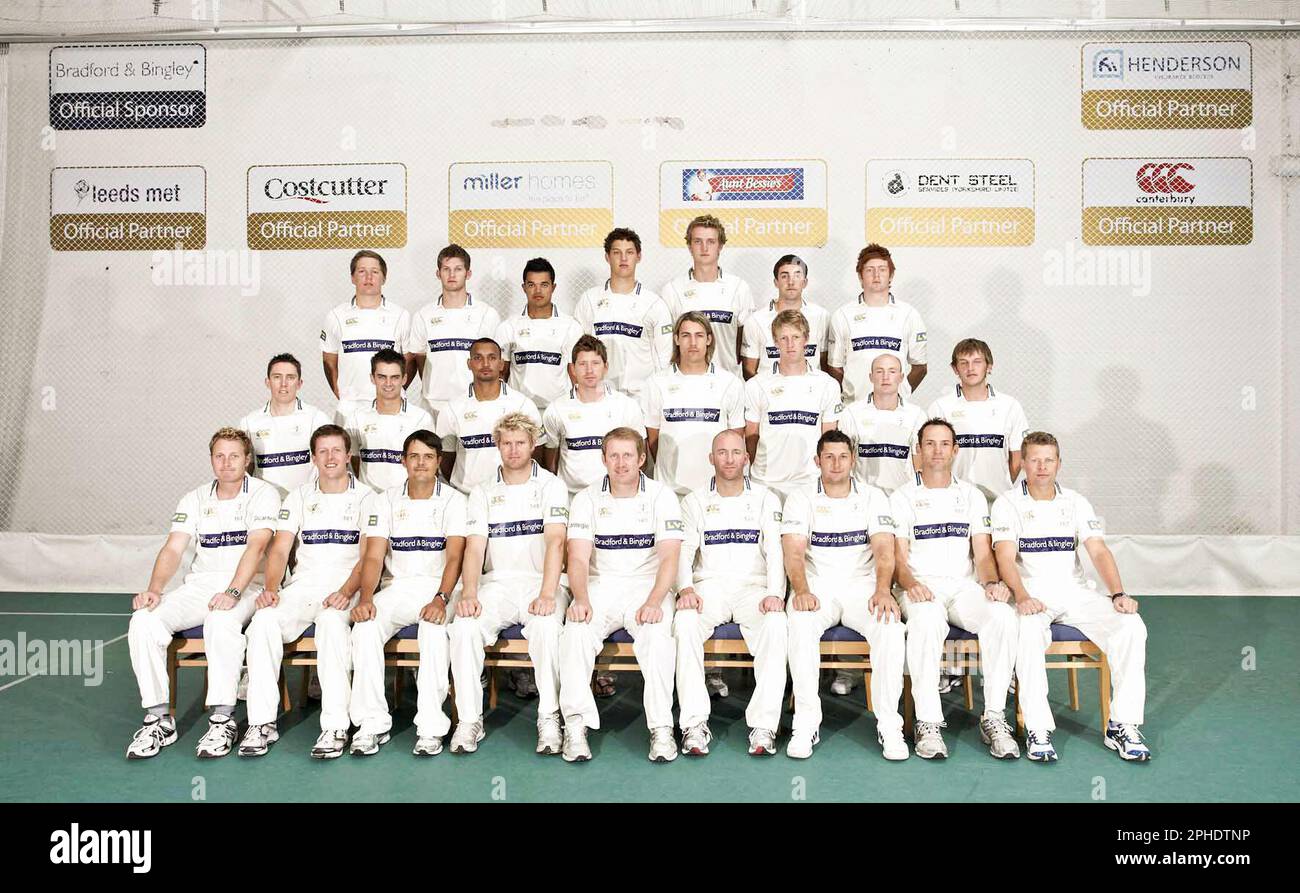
<point x="793" y="417"/>
<point x="583" y="443"/>
<point x="531" y="527"/>
<point x="613" y="327"/>
<point x="883" y="451"/>
<point x="691" y="414"/>
<point x="940" y="531"/>
<point x="836" y="539"/>
<point x="625" y="541"/>
<point x="220" y="540"/>
<point x="331" y="537"/>
<point x="877" y="342"/>
<point x="367" y="345"/>
<point x="536" y="358"/>
<point x="980" y="441"/>
<point x="730" y="537"/>
<point x="1048" y="544"/>
<point x="417" y="543"/>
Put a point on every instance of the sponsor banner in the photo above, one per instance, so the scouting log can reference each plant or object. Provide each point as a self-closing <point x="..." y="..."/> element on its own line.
<point x="530" y="204"/>
<point x="1172" y="200"/>
<point x="128" y="86"/>
<point x="326" y="206"/>
<point x="761" y="203"/>
<point x="1166" y="85"/>
<point x="956" y="202"/>
<point x="128" y="208"/>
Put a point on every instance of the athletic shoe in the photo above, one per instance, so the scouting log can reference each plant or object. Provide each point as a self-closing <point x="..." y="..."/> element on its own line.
<point x="219" y="738"/>
<point x="575" y="741"/>
<point x="258" y="740"/>
<point x="663" y="746"/>
<point x="156" y="733"/>
<point x="716" y="685"/>
<point x="365" y="744"/>
<point x="762" y="743"/>
<point x="524" y="683"/>
<point x="801" y="744"/>
<point x="949" y="683"/>
<point x="427" y="745"/>
<point x="467" y="736"/>
<point x="329" y="744"/>
<point x="1038" y="746"/>
<point x="928" y="740"/>
<point x="844" y="682"/>
<point x="996" y="733"/>
<point x="313" y="687"/>
<point x="695" y="740"/>
<point x="893" y="746"/>
<point x="1126" y="739"/>
<point x="605" y="687"/>
<point x="549" y="737"/>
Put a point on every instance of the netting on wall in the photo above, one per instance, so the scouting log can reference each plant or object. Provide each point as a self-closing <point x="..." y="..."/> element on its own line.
<point x="1112" y="231"/>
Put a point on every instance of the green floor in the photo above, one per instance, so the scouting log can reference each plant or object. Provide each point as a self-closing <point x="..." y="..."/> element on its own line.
<point x="1218" y="732"/>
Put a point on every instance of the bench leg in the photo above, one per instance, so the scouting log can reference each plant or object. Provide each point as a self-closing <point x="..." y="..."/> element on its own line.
<point x="399" y="682"/>
<point x="1103" y="692"/>
<point x="492" y="688"/>
<point x="286" y="703"/>
<point x="909" y="709"/>
<point x="306" y="683"/>
<point x="171" y="684"/>
<point x="1074" y="686"/>
<point x="1020" y="717"/>
<point x="866" y="686"/>
<point x="968" y="685"/>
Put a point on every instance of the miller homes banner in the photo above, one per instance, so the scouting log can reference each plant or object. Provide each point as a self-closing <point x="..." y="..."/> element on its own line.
<point x="530" y="204"/>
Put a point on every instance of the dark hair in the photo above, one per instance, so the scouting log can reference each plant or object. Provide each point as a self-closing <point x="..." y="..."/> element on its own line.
<point x="386" y="355"/>
<point x="485" y="340"/>
<point x="789" y="259"/>
<point x="331" y="431"/>
<point x="590" y="344"/>
<point x="835" y="435"/>
<point x="936" y="421"/>
<point x="622" y="233"/>
<point x="424" y="436"/>
<point x="1040" y="438"/>
<point x="453" y="251"/>
<point x="972" y="345"/>
<point x="373" y="255"/>
<point x="284" y="358"/>
<point x="539" y="265"/>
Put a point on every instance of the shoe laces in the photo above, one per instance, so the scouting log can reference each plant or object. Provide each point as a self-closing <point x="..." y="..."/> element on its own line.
<point x="1039" y="738"/>
<point x="1128" y="733"/>
<point x="996" y="725"/>
<point x="925" y="729"/>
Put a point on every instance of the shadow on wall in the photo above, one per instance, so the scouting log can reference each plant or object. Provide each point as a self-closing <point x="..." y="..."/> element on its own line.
<point x="1120" y="459"/>
<point x="1216" y="499"/>
<point x="1023" y="355"/>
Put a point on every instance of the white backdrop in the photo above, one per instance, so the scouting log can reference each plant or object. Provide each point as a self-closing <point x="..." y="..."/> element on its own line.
<point x="1170" y="405"/>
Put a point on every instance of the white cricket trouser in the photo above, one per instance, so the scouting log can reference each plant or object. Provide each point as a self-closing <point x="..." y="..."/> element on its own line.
<point x="504" y="603"/>
<point x="963" y="602"/>
<point x="301" y="605"/>
<point x="765" y="637"/>
<point x="1121" y="637"/>
<point x="150" y="632"/>
<point x="398" y="605"/>
<point x="614" y="603"/>
<point x="844" y="601"/>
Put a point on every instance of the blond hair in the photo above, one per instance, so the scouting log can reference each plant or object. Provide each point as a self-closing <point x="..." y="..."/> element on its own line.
<point x="791" y="319"/>
<point x="623" y="434"/>
<point x="229" y="433"/>
<point x="699" y="319"/>
<point x="707" y="221"/>
<point x="516" y="421"/>
<point x="1040" y="438"/>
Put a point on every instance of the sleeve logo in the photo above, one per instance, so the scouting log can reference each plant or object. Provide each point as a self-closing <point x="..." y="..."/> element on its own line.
<point x="674" y="525"/>
<point x="322" y="335"/>
<point x="666" y="330"/>
<point x="374" y="521"/>
<point x="988" y="522"/>
<point x="920" y="336"/>
<point x="886" y="520"/>
<point x="179" y="518"/>
<point x="1094" y="525"/>
<point x="559" y="511"/>
<point x="284" y="514"/>
<point x="776" y="516"/>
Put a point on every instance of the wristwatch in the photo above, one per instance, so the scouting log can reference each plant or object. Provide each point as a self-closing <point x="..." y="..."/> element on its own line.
<point x="441" y="595"/>
<point x="1115" y="595"/>
<point x="233" y="591"/>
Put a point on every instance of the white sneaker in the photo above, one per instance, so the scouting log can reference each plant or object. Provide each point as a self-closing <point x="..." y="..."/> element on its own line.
<point x="549" y="737"/>
<point x="892" y="744"/>
<point x="762" y="742"/>
<point x="575" y="741"/>
<point x="258" y="740"/>
<point x="1038" y="746"/>
<point x="801" y="744"/>
<point x="427" y="746"/>
<point x="329" y="744"/>
<point x="695" y="740"/>
<point x="366" y="744"/>
<point x="716" y="685"/>
<point x="843" y="683"/>
<point x="1125" y="738"/>
<point x="153" y="735"/>
<point x="949" y="683"/>
<point x="467" y="736"/>
<point x="663" y="746"/>
<point x="996" y="733"/>
<point x="218" y="739"/>
<point x="928" y="741"/>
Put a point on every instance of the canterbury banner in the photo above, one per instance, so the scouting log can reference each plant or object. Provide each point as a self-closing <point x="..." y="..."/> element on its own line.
<point x="1167" y="201"/>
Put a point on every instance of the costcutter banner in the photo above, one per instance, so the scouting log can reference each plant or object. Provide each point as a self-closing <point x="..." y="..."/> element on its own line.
<point x="950" y="202"/>
<point x="128" y="86"/>
<point x="324" y="206"/>
<point x="127" y="208"/>
<point x="761" y="203"/>
<point x="1166" y="85"/>
<point x="530" y="204"/>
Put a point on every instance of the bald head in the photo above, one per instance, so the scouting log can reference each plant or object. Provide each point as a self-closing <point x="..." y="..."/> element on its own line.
<point x="728" y="455"/>
<point x="886" y="375"/>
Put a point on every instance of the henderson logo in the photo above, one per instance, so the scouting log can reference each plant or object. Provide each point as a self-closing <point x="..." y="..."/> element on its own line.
<point x="1166" y="85"/>
<point x="762" y="203"/>
<point x="128" y="208"/>
<point x="137" y="86"/>
<point x="324" y="206"/>
<point x="78" y="847"/>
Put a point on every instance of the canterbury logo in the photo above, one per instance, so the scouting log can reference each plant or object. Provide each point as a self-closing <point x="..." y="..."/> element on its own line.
<point x="1164" y="177"/>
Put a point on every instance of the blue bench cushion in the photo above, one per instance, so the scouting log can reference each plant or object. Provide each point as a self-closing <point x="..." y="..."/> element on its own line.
<point x="1062" y="632"/>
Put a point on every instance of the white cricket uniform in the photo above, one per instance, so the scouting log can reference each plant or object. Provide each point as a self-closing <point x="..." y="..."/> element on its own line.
<point x="939" y="523"/>
<point x="417" y="531"/>
<point x="790" y="411"/>
<point x="688" y="410"/>
<point x="377" y="439"/>
<point x="513" y="519"/>
<point x="356" y="334"/>
<point x="885" y="439"/>
<point x="465" y="427"/>
<point x="538" y="351"/>
<point x="841" y="572"/>
<point x="636" y="329"/>
<point x="443" y="335"/>
<point x="1047" y="534"/>
<point x="577" y="430"/>
<point x="624" y="562"/>
<point x="860" y="333"/>
<point x="221" y="527"/>
<point x="988" y="432"/>
<point x="282" y="444"/>
<point x="329" y="533"/>
<point x="728" y="304"/>
<point x="757" y="342"/>
<point x="731" y="555"/>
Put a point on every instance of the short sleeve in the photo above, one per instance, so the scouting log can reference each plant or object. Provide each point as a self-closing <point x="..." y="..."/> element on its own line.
<point x="504" y="336"/>
<point x="583" y="314"/>
<point x="455" y="517"/>
<point x="772" y="552"/>
<point x="378" y="522"/>
<point x="1005" y="520"/>
<point x="837" y="349"/>
<point x="744" y="302"/>
<point x="980" y="522"/>
<point x="1087" y="524"/>
<point x="1017" y="427"/>
<point x="555" y="502"/>
<point x="366" y="508"/>
<point x="491" y="320"/>
<point x="668" y="516"/>
<point x="917" y="347"/>
<point x="660" y="329"/>
<point x="529" y="408"/>
<point x="879" y="518"/>
<point x="422" y="421"/>
<point x="831" y="407"/>
<point x="289" y="518"/>
<point x="186" y="518"/>
<point x="330" y="335"/>
<point x="402" y="336"/>
<point x="653" y="407"/>
<point x="353" y="428"/>
<point x="446" y="429"/>
<point x="633" y="417"/>
<point x="900" y="509"/>
<point x="263" y="509"/>
<point x="319" y="418"/>
<point x="552" y="424"/>
<point x="733" y="407"/>
<point x="754" y="401"/>
<point x="582" y="517"/>
<point x="796" y="517"/>
<point x="476" y="511"/>
<point x="751" y="341"/>
<point x="418" y="342"/>
<point x="574" y="333"/>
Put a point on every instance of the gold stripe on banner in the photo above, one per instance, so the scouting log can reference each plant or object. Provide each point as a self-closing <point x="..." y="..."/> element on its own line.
<point x="530" y="227"/>
<point x="307" y="230"/>
<point x="750" y="227"/>
<point x="1210" y="225"/>
<point x="1209" y="109"/>
<point x="151" y="231"/>
<point x="954" y="227"/>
